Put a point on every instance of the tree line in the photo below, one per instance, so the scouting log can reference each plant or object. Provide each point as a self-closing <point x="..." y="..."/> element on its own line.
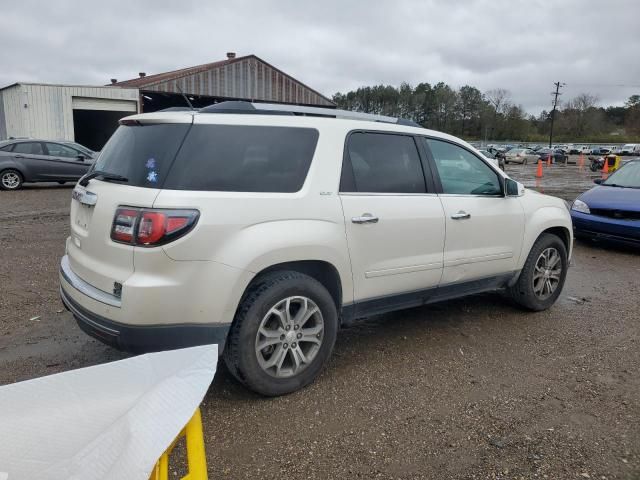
<point x="493" y="115"/>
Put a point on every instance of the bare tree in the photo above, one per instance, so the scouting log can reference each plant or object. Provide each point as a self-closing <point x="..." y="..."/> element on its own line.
<point x="582" y="114"/>
<point x="498" y="98"/>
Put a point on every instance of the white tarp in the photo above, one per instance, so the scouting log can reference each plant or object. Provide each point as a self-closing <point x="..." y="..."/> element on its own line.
<point x="111" y="421"/>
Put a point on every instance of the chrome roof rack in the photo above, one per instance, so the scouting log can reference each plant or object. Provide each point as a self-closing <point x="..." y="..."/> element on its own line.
<point x="240" y="107"/>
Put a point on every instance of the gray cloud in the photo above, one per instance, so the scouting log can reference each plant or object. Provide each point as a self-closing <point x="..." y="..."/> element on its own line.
<point x="333" y="45"/>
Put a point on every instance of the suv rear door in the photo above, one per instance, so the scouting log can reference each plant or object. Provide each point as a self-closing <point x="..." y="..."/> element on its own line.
<point x="31" y="156"/>
<point x="394" y="220"/>
<point x="484" y="228"/>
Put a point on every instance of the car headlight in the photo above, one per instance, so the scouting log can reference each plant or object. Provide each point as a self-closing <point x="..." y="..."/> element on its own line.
<point x="580" y="206"/>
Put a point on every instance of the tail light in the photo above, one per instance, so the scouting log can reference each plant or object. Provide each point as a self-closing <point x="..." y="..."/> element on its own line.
<point x="150" y="227"/>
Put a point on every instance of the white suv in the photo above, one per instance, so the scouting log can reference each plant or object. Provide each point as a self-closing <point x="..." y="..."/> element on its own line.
<point x="265" y="228"/>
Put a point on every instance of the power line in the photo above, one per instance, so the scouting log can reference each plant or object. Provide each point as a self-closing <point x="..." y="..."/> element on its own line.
<point x="604" y="85"/>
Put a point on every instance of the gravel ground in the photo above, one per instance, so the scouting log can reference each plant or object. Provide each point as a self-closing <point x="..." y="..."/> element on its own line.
<point x="474" y="388"/>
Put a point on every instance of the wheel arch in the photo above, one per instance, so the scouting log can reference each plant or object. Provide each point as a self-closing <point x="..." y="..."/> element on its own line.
<point x="563" y="233"/>
<point x="321" y="270"/>
<point x="553" y="220"/>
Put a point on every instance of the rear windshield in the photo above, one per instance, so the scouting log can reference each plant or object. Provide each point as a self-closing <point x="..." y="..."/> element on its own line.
<point x="232" y="158"/>
<point x="142" y="153"/>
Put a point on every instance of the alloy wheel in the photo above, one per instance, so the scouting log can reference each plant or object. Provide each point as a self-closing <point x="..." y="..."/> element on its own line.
<point x="547" y="273"/>
<point x="10" y="180"/>
<point x="289" y="337"/>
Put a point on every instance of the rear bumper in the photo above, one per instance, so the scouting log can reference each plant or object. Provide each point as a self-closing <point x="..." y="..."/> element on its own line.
<point x="147" y="338"/>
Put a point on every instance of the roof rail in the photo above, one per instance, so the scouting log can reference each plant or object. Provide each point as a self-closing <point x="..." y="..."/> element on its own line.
<point x="282" y="109"/>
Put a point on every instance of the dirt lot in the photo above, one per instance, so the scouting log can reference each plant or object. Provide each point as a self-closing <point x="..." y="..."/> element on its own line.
<point x="475" y="388"/>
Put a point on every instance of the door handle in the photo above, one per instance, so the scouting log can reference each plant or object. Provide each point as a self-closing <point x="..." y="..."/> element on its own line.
<point x="365" y="218"/>
<point x="18" y="156"/>
<point x="461" y="215"/>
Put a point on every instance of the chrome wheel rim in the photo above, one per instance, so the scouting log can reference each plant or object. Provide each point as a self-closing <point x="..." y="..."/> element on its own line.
<point x="546" y="275"/>
<point x="10" y="180"/>
<point x="289" y="337"/>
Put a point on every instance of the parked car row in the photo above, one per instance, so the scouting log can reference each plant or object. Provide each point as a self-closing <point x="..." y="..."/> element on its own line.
<point x="32" y="160"/>
<point x="631" y="149"/>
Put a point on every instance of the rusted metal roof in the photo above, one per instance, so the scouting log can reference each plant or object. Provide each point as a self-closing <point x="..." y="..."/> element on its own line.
<point x="202" y="80"/>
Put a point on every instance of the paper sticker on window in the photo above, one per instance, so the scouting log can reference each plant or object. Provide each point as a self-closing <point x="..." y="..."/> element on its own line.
<point x="152" y="177"/>
<point x="151" y="163"/>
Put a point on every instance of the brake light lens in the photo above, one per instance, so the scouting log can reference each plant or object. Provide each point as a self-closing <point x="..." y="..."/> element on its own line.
<point x="123" y="225"/>
<point x="151" y="227"/>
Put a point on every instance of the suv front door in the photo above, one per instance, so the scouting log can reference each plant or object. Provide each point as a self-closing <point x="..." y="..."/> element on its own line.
<point x="484" y="227"/>
<point x="394" y="221"/>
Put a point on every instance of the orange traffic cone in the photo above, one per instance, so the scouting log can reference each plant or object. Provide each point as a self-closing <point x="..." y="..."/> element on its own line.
<point x="539" y="171"/>
<point x="581" y="160"/>
<point x="549" y="160"/>
<point x="605" y="167"/>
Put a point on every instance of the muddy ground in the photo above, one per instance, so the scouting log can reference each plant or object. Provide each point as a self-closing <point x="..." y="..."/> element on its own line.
<point x="474" y="388"/>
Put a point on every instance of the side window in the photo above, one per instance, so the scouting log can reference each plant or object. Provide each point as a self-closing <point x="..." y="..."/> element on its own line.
<point x="6" y="148"/>
<point x="382" y="163"/>
<point x="28" y="148"/>
<point x="58" y="150"/>
<point x="461" y="172"/>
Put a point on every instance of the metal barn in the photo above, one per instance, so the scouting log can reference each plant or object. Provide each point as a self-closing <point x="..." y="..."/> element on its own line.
<point x="236" y="78"/>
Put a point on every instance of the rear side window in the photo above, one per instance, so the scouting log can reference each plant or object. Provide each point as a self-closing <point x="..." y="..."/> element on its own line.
<point x="240" y="158"/>
<point x="6" y="148"/>
<point x="382" y="163"/>
<point x="142" y="153"/>
<point x="28" y="148"/>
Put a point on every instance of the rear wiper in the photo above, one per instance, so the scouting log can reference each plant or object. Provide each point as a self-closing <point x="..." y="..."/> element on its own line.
<point x="613" y="185"/>
<point x="84" y="181"/>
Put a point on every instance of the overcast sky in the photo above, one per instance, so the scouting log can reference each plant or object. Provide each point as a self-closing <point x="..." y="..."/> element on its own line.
<point x="331" y="45"/>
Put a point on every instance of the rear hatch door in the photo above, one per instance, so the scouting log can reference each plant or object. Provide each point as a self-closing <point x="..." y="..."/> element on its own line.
<point x="143" y="154"/>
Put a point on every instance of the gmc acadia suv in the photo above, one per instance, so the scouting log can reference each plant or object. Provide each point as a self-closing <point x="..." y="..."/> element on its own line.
<point x="265" y="228"/>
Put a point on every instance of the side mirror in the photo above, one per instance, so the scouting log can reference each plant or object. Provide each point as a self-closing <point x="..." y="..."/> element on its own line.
<point x="598" y="181"/>
<point x="80" y="158"/>
<point x="513" y="188"/>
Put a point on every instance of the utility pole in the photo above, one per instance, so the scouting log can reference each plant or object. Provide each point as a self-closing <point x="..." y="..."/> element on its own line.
<point x="555" y="94"/>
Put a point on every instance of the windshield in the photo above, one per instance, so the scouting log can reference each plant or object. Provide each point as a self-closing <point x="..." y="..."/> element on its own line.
<point x="628" y="176"/>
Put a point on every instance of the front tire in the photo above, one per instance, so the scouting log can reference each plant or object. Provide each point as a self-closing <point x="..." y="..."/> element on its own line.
<point x="10" y="179"/>
<point x="283" y="333"/>
<point x="543" y="276"/>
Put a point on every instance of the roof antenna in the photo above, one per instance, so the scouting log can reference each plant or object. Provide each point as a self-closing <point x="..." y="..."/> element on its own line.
<point x="186" y="99"/>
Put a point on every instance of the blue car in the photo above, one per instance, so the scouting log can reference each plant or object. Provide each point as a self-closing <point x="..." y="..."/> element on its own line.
<point x="612" y="209"/>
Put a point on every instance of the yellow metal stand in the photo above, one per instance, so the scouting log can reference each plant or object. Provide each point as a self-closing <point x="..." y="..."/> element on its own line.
<point x="196" y="458"/>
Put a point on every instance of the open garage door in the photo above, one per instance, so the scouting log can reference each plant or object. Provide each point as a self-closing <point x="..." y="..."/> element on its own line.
<point x="95" y="119"/>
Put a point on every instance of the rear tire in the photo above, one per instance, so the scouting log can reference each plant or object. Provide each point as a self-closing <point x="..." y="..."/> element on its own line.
<point x="543" y="275"/>
<point x="10" y="179"/>
<point x="272" y="313"/>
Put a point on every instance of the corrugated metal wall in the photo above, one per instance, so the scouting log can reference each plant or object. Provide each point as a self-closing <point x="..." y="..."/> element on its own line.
<point x="46" y="111"/>
<point x="249" y="79"/>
